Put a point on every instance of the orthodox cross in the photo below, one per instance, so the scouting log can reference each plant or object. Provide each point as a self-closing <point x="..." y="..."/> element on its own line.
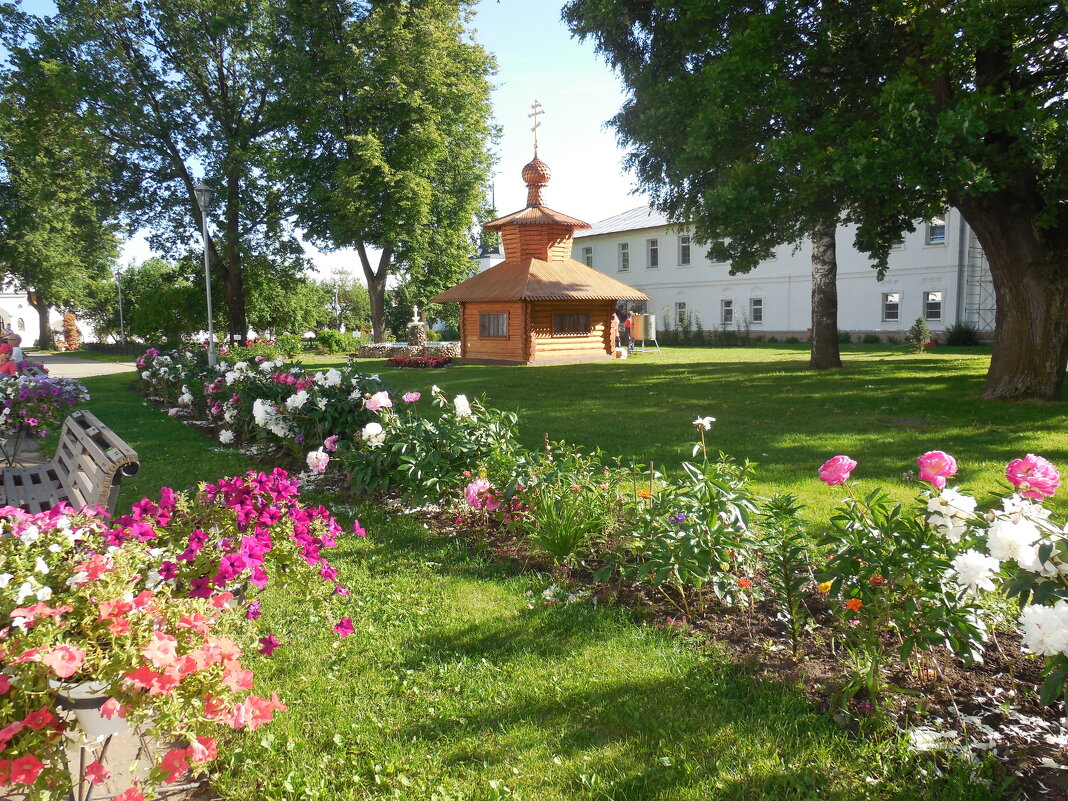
<point x="537" y="112"/>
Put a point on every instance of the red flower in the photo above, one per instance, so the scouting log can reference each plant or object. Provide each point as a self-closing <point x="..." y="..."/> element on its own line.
<point x="854" y="604"/>
<point x="745" y="583"/>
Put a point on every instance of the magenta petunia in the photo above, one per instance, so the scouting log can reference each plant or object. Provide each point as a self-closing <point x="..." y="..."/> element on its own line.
<point x="344" y="627"/>
<point x="269" y="645"/>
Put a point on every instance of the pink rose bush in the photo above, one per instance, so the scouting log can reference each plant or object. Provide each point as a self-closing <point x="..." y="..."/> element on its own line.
<point x="150" y="608"/>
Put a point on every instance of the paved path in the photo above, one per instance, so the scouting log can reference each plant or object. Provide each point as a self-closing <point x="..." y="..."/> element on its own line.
<point x="63" y="366"/>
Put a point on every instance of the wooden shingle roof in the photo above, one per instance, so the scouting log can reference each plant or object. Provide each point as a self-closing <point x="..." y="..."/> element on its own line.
<point x="534" y="279"/>
<point x="535" y="215"/>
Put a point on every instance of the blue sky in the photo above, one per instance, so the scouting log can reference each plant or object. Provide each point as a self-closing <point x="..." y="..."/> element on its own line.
<point x="537" y="59"/>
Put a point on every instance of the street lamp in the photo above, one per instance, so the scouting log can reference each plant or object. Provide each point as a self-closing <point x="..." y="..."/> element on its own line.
<point x="204" y="193"/>
<point x="122" y="325"/>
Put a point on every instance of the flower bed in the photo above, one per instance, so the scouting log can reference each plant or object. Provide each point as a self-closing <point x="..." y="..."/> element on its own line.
<point x="420" y="361"/>
<point x="37" y="404"/>
<point x="155" y="610"/>
<point x="886" y="590"/>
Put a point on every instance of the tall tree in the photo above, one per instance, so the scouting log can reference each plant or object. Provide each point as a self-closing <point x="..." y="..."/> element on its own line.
<point x="186" y="85"/>
<point x="55" y="231"/>
<point x="961" y="102"/>
<point x="392" y="153"/>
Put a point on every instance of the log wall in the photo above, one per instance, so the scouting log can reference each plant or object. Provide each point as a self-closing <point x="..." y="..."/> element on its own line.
<point x="597" y="341"/>
<point x="545" y="242"/>
<point x="512" y="347"/>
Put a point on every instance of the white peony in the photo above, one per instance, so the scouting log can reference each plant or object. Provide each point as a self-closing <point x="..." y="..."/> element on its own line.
<point x="262" y="411"/>
<point x="297" y="401"/>
<point x="185" y="400"/>
<point x="975" y="570"/>
<point x="1008" y="540"/>
<point x="951" y="528"/>
<point x="374" y="434"/>
<point x="463" y="408"/>
<point x="1045" y="628"/>
<point x="226" y="436"/>
<point x="704" y="423"/>
<point x="951" y="503"/>
<point x="331" y="378"/>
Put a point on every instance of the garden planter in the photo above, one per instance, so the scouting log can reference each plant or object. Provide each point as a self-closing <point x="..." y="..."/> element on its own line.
<point x="84" y="701"/>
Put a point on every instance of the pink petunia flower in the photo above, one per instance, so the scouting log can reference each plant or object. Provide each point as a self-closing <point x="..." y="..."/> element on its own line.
<point x="1033" y="476"/>
<point x="130" y="794"/>
<point x="344" y="627"/>
<point x="65" y="660"/>
<point x="269" y="645"/>
<point x="936" y="467"/>
<point x="96" y="773"/>
<point x="837" y="470"/>
<point x="25" y="770"/>
<point x="330" y="443"/>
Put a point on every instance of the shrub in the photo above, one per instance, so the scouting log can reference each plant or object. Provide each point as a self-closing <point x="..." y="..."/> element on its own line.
<point x="330" y="341"/>
<point x="963" y="333"/>
<point x="791" y="340"/>
<point x="844" y="337"/>
<point x="871" y="339"/>
<point x="772" y="339"/>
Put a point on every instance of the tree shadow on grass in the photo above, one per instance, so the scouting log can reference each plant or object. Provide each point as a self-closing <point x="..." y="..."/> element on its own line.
<point x="709" y="731"/>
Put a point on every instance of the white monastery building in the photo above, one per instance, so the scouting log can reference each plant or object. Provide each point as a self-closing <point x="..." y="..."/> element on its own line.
<point x="937" y="272"/>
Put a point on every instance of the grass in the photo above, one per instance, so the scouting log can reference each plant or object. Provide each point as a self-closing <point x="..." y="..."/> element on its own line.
<point x="460" y="684"/>
<point x="771" y="409"/>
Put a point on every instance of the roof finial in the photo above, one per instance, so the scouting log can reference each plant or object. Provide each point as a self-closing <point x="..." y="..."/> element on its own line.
<point x="537" y="111"/>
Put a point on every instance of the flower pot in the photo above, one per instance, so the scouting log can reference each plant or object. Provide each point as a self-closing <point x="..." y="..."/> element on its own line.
<point x="84" y="701"/>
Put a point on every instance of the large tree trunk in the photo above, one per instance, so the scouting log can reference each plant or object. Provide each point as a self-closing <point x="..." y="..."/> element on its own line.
<point x="235" y="282"/>
<point x="376" y="289"/>
<point x="1029" y="270"/>
<point x="45" y="340"/>
<point x="824" y="351"/>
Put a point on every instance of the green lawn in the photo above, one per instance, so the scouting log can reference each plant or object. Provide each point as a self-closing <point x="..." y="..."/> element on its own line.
<point x="460" y="684"/>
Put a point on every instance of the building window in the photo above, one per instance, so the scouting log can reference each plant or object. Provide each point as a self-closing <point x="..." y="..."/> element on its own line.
<point x="684" y="250"/>
<point x="493" y="324"/>
<point x="932" y="305"/>
<point x="680" y="315"/>
<point x="587" y="256"/>
<point x="652" y="248"/>
<point x="891" y="306"/>
<point x="624" y="257"/>
<point x="756" y="310"/>
<point x="726" y="312"/>
<point x="936" y="231"/>
<point x="571" y="323"/>
<point x="898" y="243"/>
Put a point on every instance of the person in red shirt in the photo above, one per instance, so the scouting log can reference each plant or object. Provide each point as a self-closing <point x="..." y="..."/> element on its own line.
<point x="629" y="328"/>
<point x="7" y="366"/>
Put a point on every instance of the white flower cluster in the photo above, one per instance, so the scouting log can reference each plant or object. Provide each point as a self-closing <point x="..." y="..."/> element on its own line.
<point x="297" y="400"/>
<point x="374" y="434"/>
<point x="462" y="406"/>
<point x="975" y="570"/>
<point x="266" y="416"/>
<point x="1045" y="628"/>
<point x="226" y="436"/>
<point x="331" y="378"/>
<point x="950" y="512"/>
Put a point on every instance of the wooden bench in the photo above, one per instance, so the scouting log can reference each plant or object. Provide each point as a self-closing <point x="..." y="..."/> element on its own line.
<point x="90" y="462"/>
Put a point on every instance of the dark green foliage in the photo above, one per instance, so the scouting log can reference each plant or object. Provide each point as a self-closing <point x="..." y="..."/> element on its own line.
<point x="329" y="341"/>
<point x="870" y="339"/>
<point x="786" y="562"/>
<point x="919" y="335"/>
<point x="963" y="334"/>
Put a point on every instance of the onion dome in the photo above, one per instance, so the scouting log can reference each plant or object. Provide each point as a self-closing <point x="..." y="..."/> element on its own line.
<point x="536" y="174"/>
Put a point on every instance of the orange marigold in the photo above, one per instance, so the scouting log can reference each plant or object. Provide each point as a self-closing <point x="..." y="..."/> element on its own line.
<point x="854" y="604"/>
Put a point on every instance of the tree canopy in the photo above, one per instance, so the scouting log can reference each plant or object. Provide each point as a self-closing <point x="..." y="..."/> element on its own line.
<point x="56" y="231"/>
<point x="392" y="137"/>
<point x="882" y="110"/>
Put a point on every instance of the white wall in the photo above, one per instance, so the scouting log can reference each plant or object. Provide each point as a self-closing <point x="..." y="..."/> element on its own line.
<point x="783" y="283"/>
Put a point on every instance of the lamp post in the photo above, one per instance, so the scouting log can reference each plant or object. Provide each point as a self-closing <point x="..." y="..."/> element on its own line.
<point x="122" y="325"/>
<point x="204" y="193"/>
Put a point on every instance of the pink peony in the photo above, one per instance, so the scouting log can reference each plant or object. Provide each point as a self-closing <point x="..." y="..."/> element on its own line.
<point x="318" y="461"/>
<point x="330" y="443"/>
<point x="412" y="397"/>
<point x="478" y="495"/>
<point x="380" y="400"/>
<point x="1033" y="476"/>
<point x="65" y="660"/>
<point x="837" y="470"/>
<point x="936" y="467"/>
